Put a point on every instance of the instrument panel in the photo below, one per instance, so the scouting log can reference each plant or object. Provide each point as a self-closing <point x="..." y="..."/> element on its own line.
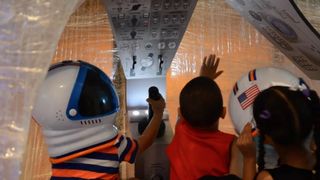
<point x="148" y="33"/>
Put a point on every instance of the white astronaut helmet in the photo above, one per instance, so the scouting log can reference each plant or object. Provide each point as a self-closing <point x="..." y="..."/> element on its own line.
<point x="76" y="107"/>
<point x="244" y="92"/>
<point x="250" y="84"/>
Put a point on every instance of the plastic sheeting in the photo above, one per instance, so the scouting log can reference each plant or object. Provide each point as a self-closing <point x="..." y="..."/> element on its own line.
<point x="29" y="32"/>
<point x="311" y="10"/>
<point x="214" y="28"/>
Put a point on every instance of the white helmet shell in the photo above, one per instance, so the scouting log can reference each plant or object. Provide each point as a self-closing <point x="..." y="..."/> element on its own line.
<point x="76" y="107"/>
<point x="249" y="85"/>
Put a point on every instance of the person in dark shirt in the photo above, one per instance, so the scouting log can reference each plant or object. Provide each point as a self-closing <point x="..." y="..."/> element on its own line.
<point x="288" y="119"/>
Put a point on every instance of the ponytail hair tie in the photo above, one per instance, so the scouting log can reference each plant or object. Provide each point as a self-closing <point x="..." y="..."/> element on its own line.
<point x="265" y="114"/>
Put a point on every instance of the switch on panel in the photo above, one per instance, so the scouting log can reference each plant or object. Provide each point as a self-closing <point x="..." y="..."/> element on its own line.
<point x="133" y="34"/>
<point x="134" y="62"/>
<point x="134" y="21"/>
<point x="160" y="58"/>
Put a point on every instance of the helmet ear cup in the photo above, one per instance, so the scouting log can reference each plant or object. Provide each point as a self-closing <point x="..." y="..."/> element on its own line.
<point x="53" y="97"/>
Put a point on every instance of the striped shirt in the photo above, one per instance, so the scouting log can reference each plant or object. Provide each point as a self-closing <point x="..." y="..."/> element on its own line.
<point x="100" y="161"/>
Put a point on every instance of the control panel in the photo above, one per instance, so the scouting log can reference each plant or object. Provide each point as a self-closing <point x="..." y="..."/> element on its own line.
<point x="148" y="33"/>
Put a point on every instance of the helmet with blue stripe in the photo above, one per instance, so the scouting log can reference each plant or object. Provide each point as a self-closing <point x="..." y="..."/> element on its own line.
<point x="76" y="105"/>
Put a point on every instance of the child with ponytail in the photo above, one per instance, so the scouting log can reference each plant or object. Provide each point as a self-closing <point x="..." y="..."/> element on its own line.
<point x="288" y="120"/>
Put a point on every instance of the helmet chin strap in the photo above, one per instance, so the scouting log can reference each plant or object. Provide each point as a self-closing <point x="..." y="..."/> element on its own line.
<point x="61" y="142"/>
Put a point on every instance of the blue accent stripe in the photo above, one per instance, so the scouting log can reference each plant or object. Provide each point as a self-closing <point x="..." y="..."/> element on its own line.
<point x="302" y="82"/>
<point x="235" y="89"/>
<point x="119" y="142"/>
<point x="134" y="153"/>
<point x="68" y="154"/>
<point x="86" y="167"/>
<point x="126" y="150"/>
<point x="76" y="91"/>
<point x="102" y="156"/>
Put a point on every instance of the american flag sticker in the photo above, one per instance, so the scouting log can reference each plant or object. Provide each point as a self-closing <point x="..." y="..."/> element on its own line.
<point x="247" y="97"/>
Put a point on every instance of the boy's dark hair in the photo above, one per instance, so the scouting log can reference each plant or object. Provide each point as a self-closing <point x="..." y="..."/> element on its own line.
<point x="201" y="102"/>
<point x="287" y="116"/>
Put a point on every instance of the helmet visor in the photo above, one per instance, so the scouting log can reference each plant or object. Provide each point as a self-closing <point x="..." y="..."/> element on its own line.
<point x="93" y="94"/>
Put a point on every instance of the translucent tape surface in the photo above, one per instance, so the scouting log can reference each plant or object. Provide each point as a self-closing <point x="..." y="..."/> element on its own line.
<point x="29" y="32"/>
<point x="311" y="10"/>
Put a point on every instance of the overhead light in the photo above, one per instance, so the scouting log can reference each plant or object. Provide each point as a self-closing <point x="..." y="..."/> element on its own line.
<point x="135" y="113"/>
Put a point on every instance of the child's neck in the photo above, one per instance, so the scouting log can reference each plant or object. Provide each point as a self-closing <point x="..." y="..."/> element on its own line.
<point x="298" y="157"/>
<point x="213" y="127"/>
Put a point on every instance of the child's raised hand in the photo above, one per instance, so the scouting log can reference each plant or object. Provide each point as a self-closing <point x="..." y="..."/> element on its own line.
<point x="245" y="142"/>
<point x="209" y="67"/>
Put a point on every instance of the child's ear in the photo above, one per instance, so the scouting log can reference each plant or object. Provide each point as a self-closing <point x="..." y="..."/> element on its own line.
<point x="179" y="112"/>
<point x="223" y="112"/>
<point x="179" y="117"/>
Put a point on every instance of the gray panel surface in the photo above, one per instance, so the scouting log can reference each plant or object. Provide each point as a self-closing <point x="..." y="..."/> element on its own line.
<point x="148" y="33"/>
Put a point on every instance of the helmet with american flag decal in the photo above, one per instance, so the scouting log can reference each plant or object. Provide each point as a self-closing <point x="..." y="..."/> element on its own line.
<point x="249" y="85"/>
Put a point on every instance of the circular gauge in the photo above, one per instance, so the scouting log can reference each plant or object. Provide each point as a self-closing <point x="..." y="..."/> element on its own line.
<point x="148" y="46"/>
<point x="147" y="62"/>
<point x="161" y="45"/>
<point x="283" y="28"/>
<point x="172" y="45"/>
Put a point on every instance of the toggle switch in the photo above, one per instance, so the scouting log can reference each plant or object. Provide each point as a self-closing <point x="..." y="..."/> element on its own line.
<point x="134" y="21"/>
<point x="166" y="19"/>
<point x="133" y="34"/>
<point x="160" y="58"/>
<point x="134" y="62"/>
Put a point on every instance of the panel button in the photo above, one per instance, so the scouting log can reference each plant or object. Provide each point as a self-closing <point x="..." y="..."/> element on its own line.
<point x="172" y="45"/>
<point x="162" y="45"/>
<point x="145" y="15"/>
